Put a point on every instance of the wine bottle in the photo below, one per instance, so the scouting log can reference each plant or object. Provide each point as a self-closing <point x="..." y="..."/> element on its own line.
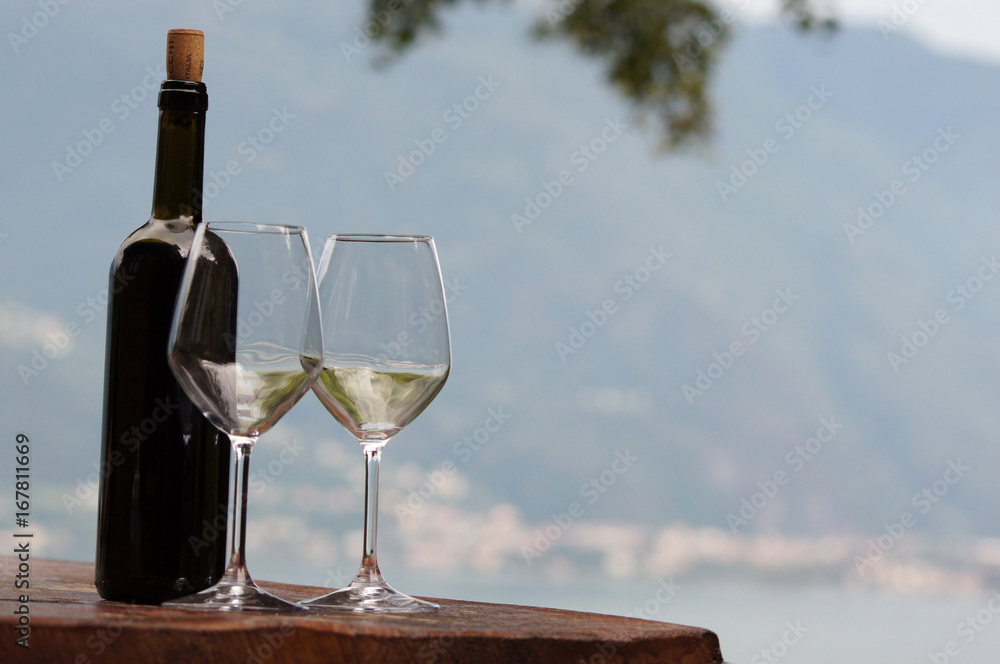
<point x="163" y="496"/>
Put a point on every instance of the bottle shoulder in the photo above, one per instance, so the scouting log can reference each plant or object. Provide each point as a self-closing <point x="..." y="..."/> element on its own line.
<point x="157" y="238"/>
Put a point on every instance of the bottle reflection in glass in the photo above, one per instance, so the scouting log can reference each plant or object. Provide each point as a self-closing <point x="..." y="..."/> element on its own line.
<point x="272" y="358"/>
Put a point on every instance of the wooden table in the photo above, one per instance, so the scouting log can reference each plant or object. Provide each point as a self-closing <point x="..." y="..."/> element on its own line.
<point x="70" y="623"/>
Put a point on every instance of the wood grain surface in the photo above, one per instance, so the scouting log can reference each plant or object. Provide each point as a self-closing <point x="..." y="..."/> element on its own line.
<point x="69" y="622"/>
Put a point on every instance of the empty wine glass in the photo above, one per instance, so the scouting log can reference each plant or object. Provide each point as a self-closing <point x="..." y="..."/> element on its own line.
<point x="387" y="355"/>
<point x="245" y="345"/>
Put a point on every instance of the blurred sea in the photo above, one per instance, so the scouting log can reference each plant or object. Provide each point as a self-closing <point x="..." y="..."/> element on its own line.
<point x="793" y="624"/>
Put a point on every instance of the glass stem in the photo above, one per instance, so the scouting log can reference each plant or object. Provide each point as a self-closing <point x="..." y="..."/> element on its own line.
<point x="238" y="561"/>
<point x="369" y="562"/>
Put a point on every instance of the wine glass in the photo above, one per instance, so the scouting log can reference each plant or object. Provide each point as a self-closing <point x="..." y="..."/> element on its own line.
<point x="245" y="345"/>
<point x="387" y="355"/>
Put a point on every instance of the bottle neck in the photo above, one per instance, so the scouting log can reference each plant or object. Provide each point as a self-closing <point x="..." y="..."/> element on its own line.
<point x="180" y="151"/>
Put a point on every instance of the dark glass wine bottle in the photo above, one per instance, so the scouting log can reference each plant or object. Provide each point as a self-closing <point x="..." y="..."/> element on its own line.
<point x="163" y="497"/>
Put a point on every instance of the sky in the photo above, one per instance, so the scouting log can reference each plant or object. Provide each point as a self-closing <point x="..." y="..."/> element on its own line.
<point x="960" y="27"/>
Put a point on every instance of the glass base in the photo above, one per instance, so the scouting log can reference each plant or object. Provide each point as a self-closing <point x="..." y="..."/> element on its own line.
<point x="234" y="593"/>
<point x="370" y="597"/>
